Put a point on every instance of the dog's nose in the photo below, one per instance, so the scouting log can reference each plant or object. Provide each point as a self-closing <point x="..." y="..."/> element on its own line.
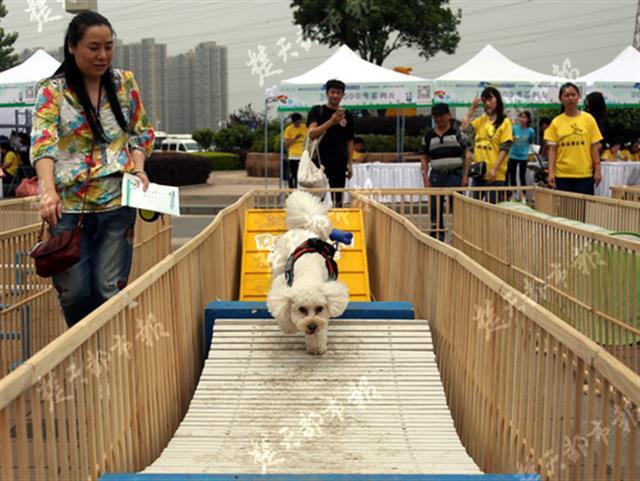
<point x="312" y="328"/>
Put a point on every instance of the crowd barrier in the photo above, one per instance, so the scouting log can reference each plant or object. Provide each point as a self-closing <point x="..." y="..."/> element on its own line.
<point x="626" y="192"/>
<point x="30" y="316"/>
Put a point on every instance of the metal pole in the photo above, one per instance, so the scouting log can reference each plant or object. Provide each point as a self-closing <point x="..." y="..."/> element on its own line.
<point x="397" y="135"/>
<point x="266" y="143"/>
<point x="403" y="130"/>
<point x="281" y="149"/>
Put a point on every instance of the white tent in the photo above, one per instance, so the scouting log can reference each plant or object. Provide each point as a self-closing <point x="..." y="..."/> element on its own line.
<point x="517" y="84"/>
<point x="619" y="80"/>
<point x="17" y="85"/>
<point x="368" y="85"/>
<point x="624" y="68"/>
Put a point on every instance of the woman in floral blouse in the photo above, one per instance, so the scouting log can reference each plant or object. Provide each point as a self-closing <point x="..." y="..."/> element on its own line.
<point x="89" y="128"/>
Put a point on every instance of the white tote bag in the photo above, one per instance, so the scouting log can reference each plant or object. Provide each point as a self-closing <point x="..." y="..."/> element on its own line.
<point x="309" y="175"/>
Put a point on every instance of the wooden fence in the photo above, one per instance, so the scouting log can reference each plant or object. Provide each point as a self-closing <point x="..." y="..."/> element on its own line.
<point x="626" y="192"/>
<point x="30" y="316"/>
<point x="612" y="214"/>
<point x="591" y="281"/>
<point x="523" y="386"/>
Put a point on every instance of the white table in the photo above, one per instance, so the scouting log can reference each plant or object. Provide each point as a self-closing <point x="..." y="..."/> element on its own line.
<point x="618" y="173"/>
<point x="380" y="175"/>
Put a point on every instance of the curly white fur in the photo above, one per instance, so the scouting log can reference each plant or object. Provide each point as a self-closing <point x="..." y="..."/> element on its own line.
<point x="308" y="304"/>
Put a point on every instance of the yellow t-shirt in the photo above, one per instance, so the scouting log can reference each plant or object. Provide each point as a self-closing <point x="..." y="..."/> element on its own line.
<point x="297" y="147"/>
<point x="573" y="137"/>
<point x="12" y="162"/>
<point x="487" y="143"/>
<point x="359" y="156"/>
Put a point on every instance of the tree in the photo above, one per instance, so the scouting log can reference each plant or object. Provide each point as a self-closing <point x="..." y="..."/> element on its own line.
<point x="7" y="58"/>
<point x="204" y="137"/>
<point x="375" y="28"/>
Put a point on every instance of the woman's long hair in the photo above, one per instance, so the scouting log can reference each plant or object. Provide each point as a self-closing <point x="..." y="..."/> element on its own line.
<point x="74" y="77"/>
<point x="594" y="104"/>
<point x="493" y="92"/>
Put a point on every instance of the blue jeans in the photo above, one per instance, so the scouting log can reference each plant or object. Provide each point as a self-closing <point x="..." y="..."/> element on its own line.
<point x="491" y="197"/>
<point x="442" y="179"/>
<point x="106" y="249"/>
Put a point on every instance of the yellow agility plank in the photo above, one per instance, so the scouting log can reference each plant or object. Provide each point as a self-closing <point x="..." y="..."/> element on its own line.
<point x="262" y="226"/>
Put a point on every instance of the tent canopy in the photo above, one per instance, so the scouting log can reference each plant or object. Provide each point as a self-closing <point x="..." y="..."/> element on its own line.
<point x="491" y="65"/>
<point x="347" y="66"/>
<point x="624" y="68"/>
<point x="368" y="85"/>
<point x="40" y="65"/>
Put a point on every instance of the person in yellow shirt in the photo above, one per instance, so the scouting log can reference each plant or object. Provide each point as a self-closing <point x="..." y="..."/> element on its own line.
<point x="613" y="153"/>
<point x="8" y="166"/>
<point x="359" y="155"/>
<point x="574" y="146"/>
<point x="634" y="151"/>
<point x="493" y="135"/>
<point x="294" y="136"/>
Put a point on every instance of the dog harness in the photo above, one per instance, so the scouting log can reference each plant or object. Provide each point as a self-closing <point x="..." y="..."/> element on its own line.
<point x="312" y="246"/>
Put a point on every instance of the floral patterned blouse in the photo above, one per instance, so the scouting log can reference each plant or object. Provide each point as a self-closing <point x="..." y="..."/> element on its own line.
<point x="61" y="132"/>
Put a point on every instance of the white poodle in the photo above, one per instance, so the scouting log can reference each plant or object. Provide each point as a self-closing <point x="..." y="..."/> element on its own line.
<point x="304" y="293"/>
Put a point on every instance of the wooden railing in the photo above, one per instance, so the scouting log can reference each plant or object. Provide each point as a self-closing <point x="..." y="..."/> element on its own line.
<point x="626" y="192"/>
<point x="522" y="385"/>
<point x="528" y="393"/>
<point x="613" y="214"/>
<point x="589" y="280"/>
<point x="30" y="316"/>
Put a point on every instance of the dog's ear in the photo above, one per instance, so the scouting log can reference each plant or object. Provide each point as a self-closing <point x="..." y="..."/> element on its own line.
<point x="279" y="300"/>
<point x="337" y="296"/>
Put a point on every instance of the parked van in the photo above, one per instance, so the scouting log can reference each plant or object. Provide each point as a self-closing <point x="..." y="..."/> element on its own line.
<point x="174" y="144"/>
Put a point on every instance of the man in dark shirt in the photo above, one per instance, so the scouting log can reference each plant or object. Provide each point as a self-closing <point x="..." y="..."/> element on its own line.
<point x="443" y="151"/>
<point x="336" y="145"/>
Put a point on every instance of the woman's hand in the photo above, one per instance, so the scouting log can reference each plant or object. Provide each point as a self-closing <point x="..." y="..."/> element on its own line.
<point x="597" y="176"/>
<point x="142" y="175"/>
<point x="50" y="209"/>
<point x="551" y="180"/>
<point x="491" y="176"/>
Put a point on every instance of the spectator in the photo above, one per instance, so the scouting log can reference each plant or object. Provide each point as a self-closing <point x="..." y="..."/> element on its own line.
<point x="595" y="105"/>
<point x="294" y="136"/>
<point x="443" y="154"/>
<point x="634" y="151"/>
<point x="574" y="146"/>
<point x="335" y="126"/>
<point x="523" y="137"/>
<point x="8" y="168"/>
<point x="89" y="128"/>
<point x="613" y="153"/>
<point x="359" y="155"/>
<point x="493" y="138"/>
<point x="543" y="125"/>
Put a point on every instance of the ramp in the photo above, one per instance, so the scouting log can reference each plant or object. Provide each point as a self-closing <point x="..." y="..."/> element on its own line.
<point x="262" y="226"/>
<point x="373" y="403"/>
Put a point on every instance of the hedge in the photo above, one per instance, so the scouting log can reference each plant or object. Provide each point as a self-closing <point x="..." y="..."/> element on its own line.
<point x="387" y="143"/>
<point x="221" y="160"/>
<point x="172" y="168"/>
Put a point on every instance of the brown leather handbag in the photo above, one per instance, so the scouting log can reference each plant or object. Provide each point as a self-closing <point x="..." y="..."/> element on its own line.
<point x="59" y="252"/>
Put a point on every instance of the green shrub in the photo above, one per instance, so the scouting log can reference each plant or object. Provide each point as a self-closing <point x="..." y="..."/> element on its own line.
<point x="234" y="137"/>
<point x="387" y="143"/>
<point x="204" y="137"/>
<point x="221" y="160"/>
<point x="172" y="168"/>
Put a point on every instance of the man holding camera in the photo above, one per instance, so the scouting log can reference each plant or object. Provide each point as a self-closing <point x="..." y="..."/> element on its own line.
<point x="335" y="125"/>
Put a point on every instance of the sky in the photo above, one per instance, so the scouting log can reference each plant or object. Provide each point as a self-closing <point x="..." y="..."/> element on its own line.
<point x="537" y="34"/>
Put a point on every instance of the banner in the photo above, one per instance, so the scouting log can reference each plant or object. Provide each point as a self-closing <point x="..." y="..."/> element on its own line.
<point x="619" y="93"/>
<point x="18" y="94"/>
<point x="413" y="94"/>
<point x="455" y="92"/>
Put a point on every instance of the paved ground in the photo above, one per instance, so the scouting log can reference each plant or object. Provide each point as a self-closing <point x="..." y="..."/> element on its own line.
<point x="200" y="203"/>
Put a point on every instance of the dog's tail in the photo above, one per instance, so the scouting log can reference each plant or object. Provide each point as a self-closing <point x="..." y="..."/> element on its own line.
<point x="305" y="211"/>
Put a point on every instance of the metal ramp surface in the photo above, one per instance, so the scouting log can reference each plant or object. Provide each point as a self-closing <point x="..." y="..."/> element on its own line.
<point x="373" y="403"/>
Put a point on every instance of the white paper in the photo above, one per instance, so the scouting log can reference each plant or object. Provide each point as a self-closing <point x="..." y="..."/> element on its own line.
<point x="157" y="198"/>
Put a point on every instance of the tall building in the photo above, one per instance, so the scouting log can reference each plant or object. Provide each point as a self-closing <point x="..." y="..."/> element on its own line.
<point x="148" y="61"/>
<point x="199" y="91"/>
